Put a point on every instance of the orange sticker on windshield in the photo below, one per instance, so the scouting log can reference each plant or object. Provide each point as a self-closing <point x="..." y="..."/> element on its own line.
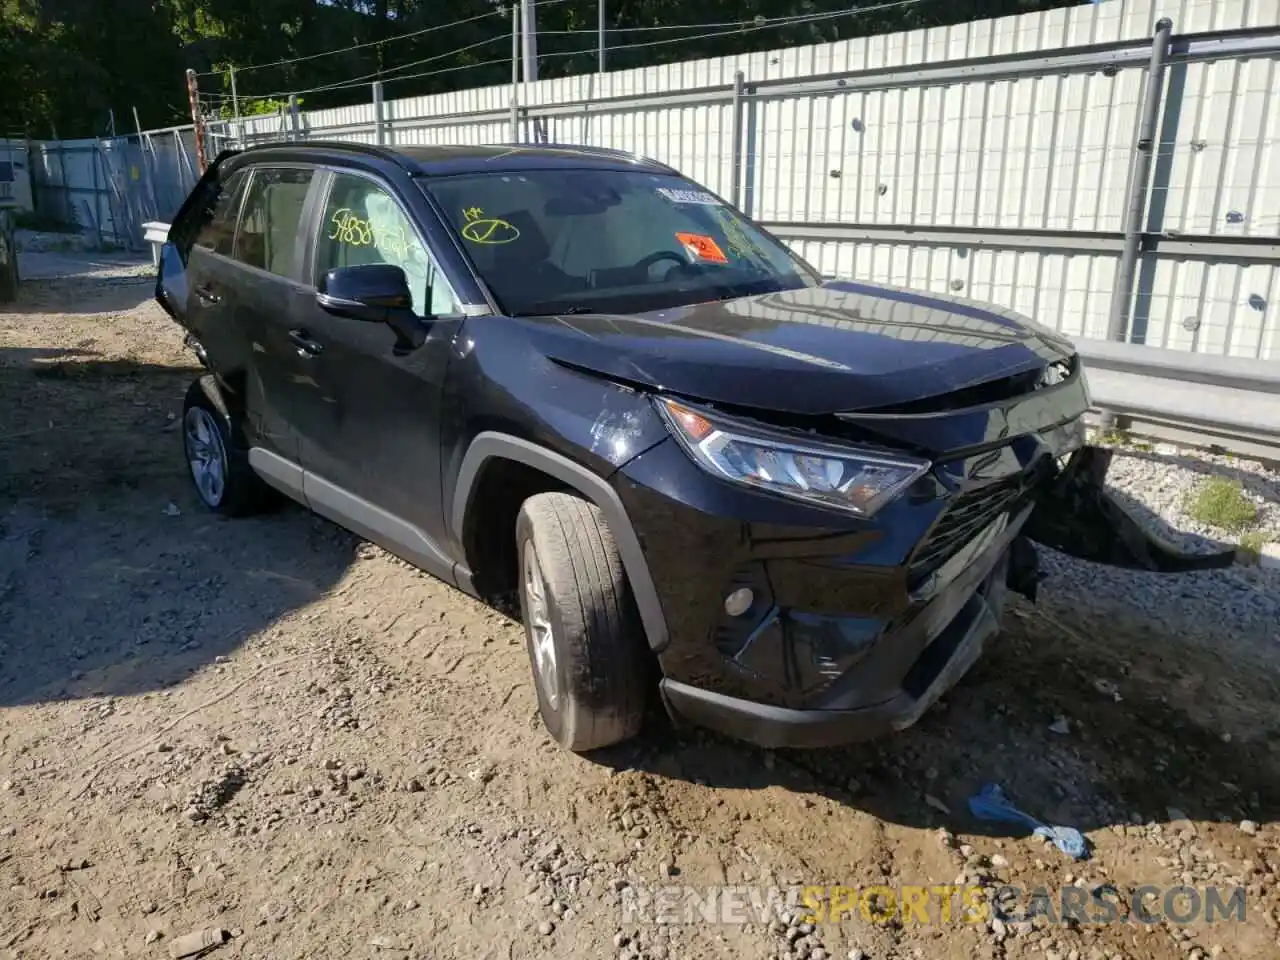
<point x="702" y="247"/>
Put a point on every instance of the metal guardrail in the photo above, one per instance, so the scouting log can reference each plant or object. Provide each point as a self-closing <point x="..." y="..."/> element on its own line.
<point x="1206" y="401"/>
<point x="1227" y="402"/>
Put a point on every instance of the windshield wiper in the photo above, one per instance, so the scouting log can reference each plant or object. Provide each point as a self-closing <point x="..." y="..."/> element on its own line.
<point x="542" y="311"/>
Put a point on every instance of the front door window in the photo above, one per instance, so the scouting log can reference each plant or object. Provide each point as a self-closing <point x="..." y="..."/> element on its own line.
<point x="363" y="224"/>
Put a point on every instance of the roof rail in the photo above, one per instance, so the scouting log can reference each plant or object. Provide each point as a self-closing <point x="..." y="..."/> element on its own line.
<point x="394" y="156"/>
<point x="601" y="151"/>
<point x="349" y="146"/>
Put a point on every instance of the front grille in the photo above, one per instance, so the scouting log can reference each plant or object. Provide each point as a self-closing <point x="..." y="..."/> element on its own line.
<point x="968" y="515"/>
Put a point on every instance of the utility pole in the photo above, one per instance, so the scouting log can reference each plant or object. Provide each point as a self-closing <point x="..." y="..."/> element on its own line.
<point x="197" y="123"/>
<point x="529" y="26"/>
<point x="235" y="109"/>
<point x="515" y="72"/>
<point x="600" y="28"/>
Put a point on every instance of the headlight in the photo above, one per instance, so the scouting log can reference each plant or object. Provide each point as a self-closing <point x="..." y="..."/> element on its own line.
<point x="858" y="483"/>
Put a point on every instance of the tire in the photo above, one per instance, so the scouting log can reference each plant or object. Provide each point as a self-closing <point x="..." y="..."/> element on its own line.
<point x="208" y="440"/>
<point x="594" y="694"/>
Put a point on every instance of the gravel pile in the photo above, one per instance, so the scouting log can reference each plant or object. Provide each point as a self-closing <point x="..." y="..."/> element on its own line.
<point x="1159" y="482"/>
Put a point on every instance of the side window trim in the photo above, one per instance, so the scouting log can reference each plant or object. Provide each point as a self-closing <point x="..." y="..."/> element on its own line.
<point x="334" y="172"/>
<point x="251" y="176"/>
<point x="312" y="223"/>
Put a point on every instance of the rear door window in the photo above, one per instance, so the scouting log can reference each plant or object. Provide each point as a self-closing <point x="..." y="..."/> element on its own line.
<point x="267" y="237"/>
<point x="219" y="230"/>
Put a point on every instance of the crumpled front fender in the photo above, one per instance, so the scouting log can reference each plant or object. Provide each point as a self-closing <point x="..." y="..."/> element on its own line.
<point x="1076" y="515"/>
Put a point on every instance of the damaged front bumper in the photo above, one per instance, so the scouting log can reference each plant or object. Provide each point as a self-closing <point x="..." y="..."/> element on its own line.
<point x="1077" y="515"/>
<point x="829" y="663"/>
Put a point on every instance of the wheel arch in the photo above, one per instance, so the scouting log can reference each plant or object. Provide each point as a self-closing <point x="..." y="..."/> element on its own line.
<point x="230" y="407"/>
<point x="489" y="445"/>
<point x="208" y="385"/>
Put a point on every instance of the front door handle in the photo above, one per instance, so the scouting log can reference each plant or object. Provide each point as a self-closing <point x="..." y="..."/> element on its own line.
<point x="206" y="294"/>
<point x="306" y="346"/>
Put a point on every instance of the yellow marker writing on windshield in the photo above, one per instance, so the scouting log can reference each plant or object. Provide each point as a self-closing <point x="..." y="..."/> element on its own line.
<point x="486" y="230"/>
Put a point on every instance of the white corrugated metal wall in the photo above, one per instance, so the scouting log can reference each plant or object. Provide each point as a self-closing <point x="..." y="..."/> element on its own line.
<point x="1041" y="153"/>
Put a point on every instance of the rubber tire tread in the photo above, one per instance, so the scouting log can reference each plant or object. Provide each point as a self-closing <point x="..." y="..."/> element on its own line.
<point x="602" y="664"/>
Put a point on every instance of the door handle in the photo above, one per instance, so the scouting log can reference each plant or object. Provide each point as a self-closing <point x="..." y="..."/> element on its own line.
<point x="206" y="294"/>
<point x="306" y="346"/>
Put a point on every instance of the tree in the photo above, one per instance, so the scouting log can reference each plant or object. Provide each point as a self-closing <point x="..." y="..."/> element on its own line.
<point x="65" y="64"/>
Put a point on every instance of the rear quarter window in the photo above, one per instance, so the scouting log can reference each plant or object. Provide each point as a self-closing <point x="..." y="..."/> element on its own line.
<point x="218" y="230"/>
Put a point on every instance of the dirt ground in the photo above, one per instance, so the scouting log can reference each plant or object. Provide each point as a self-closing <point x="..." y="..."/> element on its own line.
<point x="268" y="727"/>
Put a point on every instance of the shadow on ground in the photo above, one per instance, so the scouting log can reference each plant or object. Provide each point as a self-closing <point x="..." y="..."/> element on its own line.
<point x="114" y="580"/>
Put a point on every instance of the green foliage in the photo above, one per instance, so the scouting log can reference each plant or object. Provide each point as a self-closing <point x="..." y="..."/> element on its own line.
<point x="1253" y="542"/>
<point x="65" y="64"/>
<point x="1220" y="502"/>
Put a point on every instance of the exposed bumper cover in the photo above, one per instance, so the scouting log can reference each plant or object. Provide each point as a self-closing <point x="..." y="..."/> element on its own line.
<point x="1079" y="516"/>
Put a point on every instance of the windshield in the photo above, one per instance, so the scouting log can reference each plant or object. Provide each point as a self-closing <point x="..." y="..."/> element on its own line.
<point x="609" y="241"/>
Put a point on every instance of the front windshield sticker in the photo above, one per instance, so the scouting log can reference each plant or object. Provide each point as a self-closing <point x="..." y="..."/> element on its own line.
<point x="701" y="247"/>
<point x="690" y="196"/>
<point x="487" y="230"/>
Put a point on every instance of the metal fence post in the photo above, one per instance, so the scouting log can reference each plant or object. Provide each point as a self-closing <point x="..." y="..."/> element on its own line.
<point x="379" y="114"/>
<point x="295" y="132"/>
<point x="735" y="193"/>
<point x="68" y="210"/>
<point x="1139" y="175"/>
<point x="97" y="205"/>
<point x="147" y="178"/>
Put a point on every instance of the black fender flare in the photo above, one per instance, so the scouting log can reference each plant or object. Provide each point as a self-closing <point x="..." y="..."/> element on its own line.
<point x="490" y="444"/>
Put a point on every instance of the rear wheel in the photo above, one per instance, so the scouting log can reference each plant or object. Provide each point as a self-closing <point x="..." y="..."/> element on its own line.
<point x="219" y="470"/>
<point x="585" y="644"/>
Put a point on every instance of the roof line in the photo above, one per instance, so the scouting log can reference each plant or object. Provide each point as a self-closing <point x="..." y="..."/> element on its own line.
<point x="402" y="160"/>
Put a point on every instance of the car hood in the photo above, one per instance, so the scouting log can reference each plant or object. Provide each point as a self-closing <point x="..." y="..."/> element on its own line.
<point x="841" y="346"/>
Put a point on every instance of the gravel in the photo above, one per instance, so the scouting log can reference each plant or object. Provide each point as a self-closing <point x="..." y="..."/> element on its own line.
<point x="1242" y="601"/>
<point x="60" y="256"/>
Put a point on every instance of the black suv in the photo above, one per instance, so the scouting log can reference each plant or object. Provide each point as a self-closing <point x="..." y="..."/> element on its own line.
<point x="575" y="374"/>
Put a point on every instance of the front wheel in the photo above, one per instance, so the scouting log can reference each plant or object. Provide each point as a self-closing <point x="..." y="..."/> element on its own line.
<point x="583" y="631"/>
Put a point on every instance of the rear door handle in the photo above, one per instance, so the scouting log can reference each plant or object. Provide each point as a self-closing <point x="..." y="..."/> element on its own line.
<point x="206" y="294"/>
<point x="306" y="346"/>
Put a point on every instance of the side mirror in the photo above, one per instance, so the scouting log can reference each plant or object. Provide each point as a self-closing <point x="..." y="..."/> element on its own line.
<point x="373" y="293"/>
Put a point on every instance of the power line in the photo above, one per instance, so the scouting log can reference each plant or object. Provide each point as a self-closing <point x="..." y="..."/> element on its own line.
<point x="738" y="26"/>
<point x="391" y="74"/>
<point x="356" y="46"/>
<point x="497" y="12"/>
<point x="746" y="26"/>
<point x="386" y="74"/>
